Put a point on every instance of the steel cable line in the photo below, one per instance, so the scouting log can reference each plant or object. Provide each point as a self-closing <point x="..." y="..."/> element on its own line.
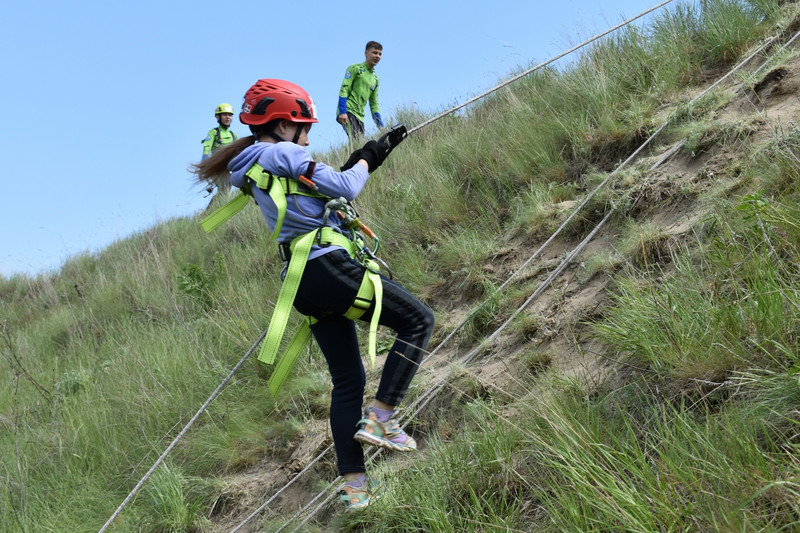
<point x="433" y="390"/>
<point x="583" y="243"/>
<point x="182" y="433"/>
<point x="424" y="399"/>
<point x="537" y="67"/>
<point x="533" y="69"/>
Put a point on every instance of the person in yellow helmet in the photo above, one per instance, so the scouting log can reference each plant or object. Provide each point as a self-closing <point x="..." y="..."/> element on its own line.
<point x="221" y="135"/>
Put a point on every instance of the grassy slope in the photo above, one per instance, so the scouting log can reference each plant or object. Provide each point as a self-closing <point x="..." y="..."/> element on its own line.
<point x="692" y="428"/>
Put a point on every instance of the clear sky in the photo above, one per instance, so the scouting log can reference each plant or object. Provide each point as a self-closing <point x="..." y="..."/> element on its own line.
<point x="106" y="103"/>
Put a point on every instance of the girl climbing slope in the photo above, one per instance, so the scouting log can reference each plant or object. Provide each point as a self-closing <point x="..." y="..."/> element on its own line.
<point x="323" y="268"/>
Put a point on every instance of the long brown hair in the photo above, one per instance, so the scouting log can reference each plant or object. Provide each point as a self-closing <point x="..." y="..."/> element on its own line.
<point x="214" y="168"/>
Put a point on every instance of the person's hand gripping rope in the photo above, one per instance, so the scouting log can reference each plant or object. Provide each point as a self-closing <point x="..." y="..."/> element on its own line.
<point x="375" y="152"/>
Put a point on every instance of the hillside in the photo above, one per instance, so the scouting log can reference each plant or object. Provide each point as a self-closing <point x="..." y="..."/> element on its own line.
<point x="669" y="195"/>
<point x="610" y="252"/>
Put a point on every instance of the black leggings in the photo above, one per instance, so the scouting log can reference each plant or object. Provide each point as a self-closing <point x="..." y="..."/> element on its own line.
<point x="327" y="289"/>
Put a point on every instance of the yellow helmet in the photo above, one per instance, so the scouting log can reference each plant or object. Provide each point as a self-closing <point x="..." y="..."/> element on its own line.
<point x="223" y="108"/>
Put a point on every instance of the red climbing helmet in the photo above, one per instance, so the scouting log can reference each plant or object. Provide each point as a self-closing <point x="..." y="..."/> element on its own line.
<point x="270" y="99"/>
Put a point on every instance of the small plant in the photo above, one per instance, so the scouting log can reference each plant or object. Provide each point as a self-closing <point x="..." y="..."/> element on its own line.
<point x="536" y="361"/>
<point x="72" y="382"/>
<point x="170" y="508"/>
<point x="196" y="283"/>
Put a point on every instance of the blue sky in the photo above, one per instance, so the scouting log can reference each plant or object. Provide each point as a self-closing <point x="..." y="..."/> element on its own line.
<point x="107" y="102"/>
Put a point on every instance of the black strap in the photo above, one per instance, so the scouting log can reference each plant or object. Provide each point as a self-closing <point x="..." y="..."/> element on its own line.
<point x="312" y="165"/>
<point x="217" y="141"/>
<point x="298" y="132"/>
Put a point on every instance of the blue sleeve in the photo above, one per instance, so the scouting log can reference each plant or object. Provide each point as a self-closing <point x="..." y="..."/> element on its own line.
<point x="342" y="105"/>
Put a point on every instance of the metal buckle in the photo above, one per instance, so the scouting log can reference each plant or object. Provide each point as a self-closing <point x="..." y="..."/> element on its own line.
<point x="284" y="251"/>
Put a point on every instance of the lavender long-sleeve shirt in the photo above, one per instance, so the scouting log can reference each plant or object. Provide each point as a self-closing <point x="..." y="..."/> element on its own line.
<point x="303" y="213"/>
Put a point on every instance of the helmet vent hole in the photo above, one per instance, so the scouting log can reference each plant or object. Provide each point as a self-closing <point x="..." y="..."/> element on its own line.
<point x="304" y="110"/>
<point x="261" y="106"/>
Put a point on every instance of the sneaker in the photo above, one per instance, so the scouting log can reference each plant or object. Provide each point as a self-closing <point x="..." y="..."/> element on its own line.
<point x="357" y="498"/>
<point x="384" y="434"/>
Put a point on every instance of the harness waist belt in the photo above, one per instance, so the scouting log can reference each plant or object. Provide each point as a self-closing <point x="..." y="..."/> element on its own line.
<point x="371" y="288"/>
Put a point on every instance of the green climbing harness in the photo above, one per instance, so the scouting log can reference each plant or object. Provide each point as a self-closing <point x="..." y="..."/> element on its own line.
<point x="371" y="288"/>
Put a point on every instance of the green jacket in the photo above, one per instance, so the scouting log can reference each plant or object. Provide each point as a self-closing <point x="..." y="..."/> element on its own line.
<point x="360" y="86"/>
<point x="217" y="137"/>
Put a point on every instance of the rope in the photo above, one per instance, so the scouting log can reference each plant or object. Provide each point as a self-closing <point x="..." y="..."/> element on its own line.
<point x="583" y="243"/>
<point x="465" y="321"/>
<point x="426" y="397"/>
<point x="537" y="67"/>
<point x="586" y="200"/>
<point x="431" y="392"/>
<point x="434" y="390"/>
<point x="286" y="486"/>
<point x="181" y="434"/>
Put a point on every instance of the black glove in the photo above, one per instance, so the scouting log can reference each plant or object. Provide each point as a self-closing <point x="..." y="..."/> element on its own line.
<point x="374" y="153"/>
<point x="352" y="160"/>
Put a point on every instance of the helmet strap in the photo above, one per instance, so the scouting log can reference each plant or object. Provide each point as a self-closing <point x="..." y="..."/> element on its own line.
<point x="297" y="132"/>
<point x="275" y="136"/>
<point x="259" y="131"/>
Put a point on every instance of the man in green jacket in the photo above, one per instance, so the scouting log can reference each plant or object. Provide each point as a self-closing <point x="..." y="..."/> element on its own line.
<point x="360" y="86"/>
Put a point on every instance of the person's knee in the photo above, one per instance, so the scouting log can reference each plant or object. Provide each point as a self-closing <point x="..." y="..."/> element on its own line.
<point x="350" y="385"/>
<point x="428" y="319"/>
<point x="425" y="321"/>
